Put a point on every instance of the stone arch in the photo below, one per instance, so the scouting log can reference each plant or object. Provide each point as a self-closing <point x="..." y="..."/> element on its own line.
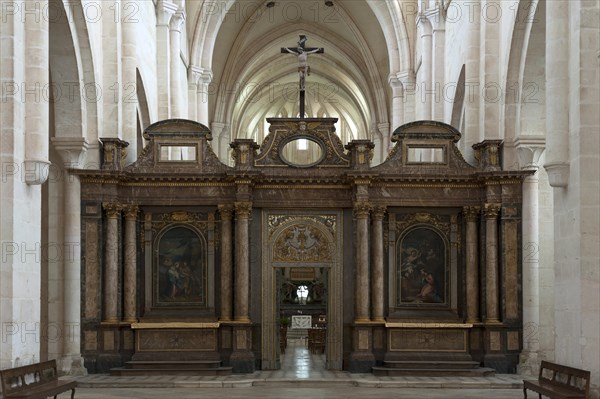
<point x="459" y="102"/>
<point x="328" y="226"/>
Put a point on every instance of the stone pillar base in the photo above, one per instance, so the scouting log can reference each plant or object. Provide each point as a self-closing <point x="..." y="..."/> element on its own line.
<point x="503" y="363"/>
<point x="242" y="362"/>
<point x="361" y="362"/>
<point x="72" y="365"/>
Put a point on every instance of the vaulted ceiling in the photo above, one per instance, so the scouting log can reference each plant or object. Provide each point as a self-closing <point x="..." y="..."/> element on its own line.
<point x="239" y="42"/>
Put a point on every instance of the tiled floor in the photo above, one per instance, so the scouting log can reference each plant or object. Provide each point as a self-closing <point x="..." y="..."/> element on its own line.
<point x="302" y="376"/>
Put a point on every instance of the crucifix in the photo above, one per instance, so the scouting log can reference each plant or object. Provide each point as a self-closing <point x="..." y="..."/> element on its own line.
<point x="303" y="67"/>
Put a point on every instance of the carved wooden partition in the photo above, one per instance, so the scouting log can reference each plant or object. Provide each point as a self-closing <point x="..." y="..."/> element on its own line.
<point x="178" y="260"/>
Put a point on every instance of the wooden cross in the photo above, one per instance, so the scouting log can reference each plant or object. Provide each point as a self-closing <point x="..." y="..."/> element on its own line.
<point x="303" y="68"/>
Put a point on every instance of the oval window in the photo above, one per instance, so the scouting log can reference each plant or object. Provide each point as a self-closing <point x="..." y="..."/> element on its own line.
<point x="302" y="152"/>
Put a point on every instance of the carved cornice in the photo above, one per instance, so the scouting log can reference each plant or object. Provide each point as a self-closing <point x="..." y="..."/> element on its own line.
<point x="362" y="209"/>
<point x="440" y="222"/>
<point x="471" y="213"/>
<point x="243" y="209"/>
<point x="491" y="210"/>
<point x="113" y="209"/>
<point x="226" y="212"/>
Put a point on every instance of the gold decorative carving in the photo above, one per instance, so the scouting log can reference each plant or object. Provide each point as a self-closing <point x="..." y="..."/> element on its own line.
<point x="156" y="326"/>
<point x="226" y="212"/>
<point x="131" y="211"/>
<point x="302" y="243"/>
<point x="113" y="209"/>
<point x="438" y="221"/>
<point x="378" y="212"/>
<point x="471" y="213"/>
<point x="428" y="325"/>
<point x="362" y="209"/>
<point x="243" y="209"/>
<point x="491" y="210"/>
<point x="275" y="222"/>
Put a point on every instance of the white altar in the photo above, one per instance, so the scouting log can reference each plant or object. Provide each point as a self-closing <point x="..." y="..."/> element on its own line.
<point x="304" y="321"/>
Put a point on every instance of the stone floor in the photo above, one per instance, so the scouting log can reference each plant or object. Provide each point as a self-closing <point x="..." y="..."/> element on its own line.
<point x="302" y="376"/>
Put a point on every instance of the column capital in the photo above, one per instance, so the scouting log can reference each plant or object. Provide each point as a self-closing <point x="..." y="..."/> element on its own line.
<point x="198" y="75"/>
<point x="437" y="18"/>
<point x="529" y="151"/>
<point x="226" y="212"/>
<point x="471" y="213"/>
<point x="177" y="20"/>
<point x="362" y="209"/>
<point x="378" y="212"/>
<point x="491" y="210"/>
<point x="164" y="11"/>
<point x="131" y="211"/>
<point x="71" y="149"/>
<point x="113" y="209"/>
<point x="243" y="209"/>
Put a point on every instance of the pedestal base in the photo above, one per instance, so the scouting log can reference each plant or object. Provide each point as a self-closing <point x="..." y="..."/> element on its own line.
<point x="72" y="365"/>
<point x="361" y="362"/>
<point x="502" y="363"/>
<point x="242" y="362"/>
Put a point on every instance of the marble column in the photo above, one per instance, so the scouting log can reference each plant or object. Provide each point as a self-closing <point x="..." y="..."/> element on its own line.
<point x="72" y="152"/>
<point x="111" y="262"/>
<point x="177" y="102"/>
<point x="130" y="264"/>
<point x="242" y="259"/>
<point x="361" y="297"/>
<point x="491" y="264"/>
<point x="226" y="212"/>
<point x="377" y="291"/>
<point x="471" y="214"/>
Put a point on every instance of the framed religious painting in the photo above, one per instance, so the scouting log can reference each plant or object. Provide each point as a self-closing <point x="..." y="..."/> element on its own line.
<point x="423" y="270"/>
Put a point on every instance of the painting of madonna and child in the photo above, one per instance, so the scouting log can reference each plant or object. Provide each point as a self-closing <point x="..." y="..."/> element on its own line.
<point x="181" y="269"/>
<point x="421" y="268"/>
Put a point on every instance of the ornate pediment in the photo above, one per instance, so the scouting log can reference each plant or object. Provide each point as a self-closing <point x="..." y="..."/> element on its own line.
<point x="326" y="148"/>
<point x="302" y="243"/>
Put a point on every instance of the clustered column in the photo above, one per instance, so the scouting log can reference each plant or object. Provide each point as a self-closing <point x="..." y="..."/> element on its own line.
<point x="361" y="213"/>
<point x="242" y="251"/>
<point x="471" y="213"/>
<point x="491" y="266"/>
<point x="113" y="212"/>
<point x="129" y="278"/>
<point x="377" y="292"/>
<point x="226" y="212"/>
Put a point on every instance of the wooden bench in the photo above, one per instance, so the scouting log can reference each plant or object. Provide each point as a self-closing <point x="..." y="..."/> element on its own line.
<point x="36" y="381"/>
<point x="559" y="382"/>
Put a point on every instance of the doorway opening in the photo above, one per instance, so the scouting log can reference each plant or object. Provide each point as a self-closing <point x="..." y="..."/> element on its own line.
<point x="302" y="306"/>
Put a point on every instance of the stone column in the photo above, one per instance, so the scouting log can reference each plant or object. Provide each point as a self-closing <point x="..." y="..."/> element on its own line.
<point x="529" y="151"/>
<point x="202" y="96"/>
<point x="472" y="87"/>
<point x="37" y="58"/>
<point x="438" y="24"/>
<point x="72" y="152"/>
<point x="489" y="68"/>
<point x="491" y="264"/>
<point x="471" y="214"/>
<point x="111" y="262"/>
<point x="557" y="81"/>
<point x="220" y="135"/>
<point x="226" y="212"/>
<point x="377" y="291"/>
<point x="176" y="101"/>
<point x="130" y="265"/>
<point x="423" y="90"/>
<point x="361" y="296"/>
<point x="129" y="63"/>
<point x="397" y="102"/>
<point x="242" y="258"/>
<point x="164" y="11"/>
<point x="409" y="90"/>
<point x="193" y="78"/>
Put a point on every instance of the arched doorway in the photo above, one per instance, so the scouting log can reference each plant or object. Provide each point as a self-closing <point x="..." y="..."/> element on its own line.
<point x="307" y="240"/>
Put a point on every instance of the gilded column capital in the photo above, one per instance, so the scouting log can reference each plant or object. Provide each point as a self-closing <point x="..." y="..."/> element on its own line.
<point x="362" y="209"/>
<point x="113" y="209"/>
<point x="226" y="212"/>
<point x="491" y="210"/>
<point x="131" y="211"/>
<point x="243" y="209"/>
<point x="378" y="212"/>
<point x="471" y="213"/>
